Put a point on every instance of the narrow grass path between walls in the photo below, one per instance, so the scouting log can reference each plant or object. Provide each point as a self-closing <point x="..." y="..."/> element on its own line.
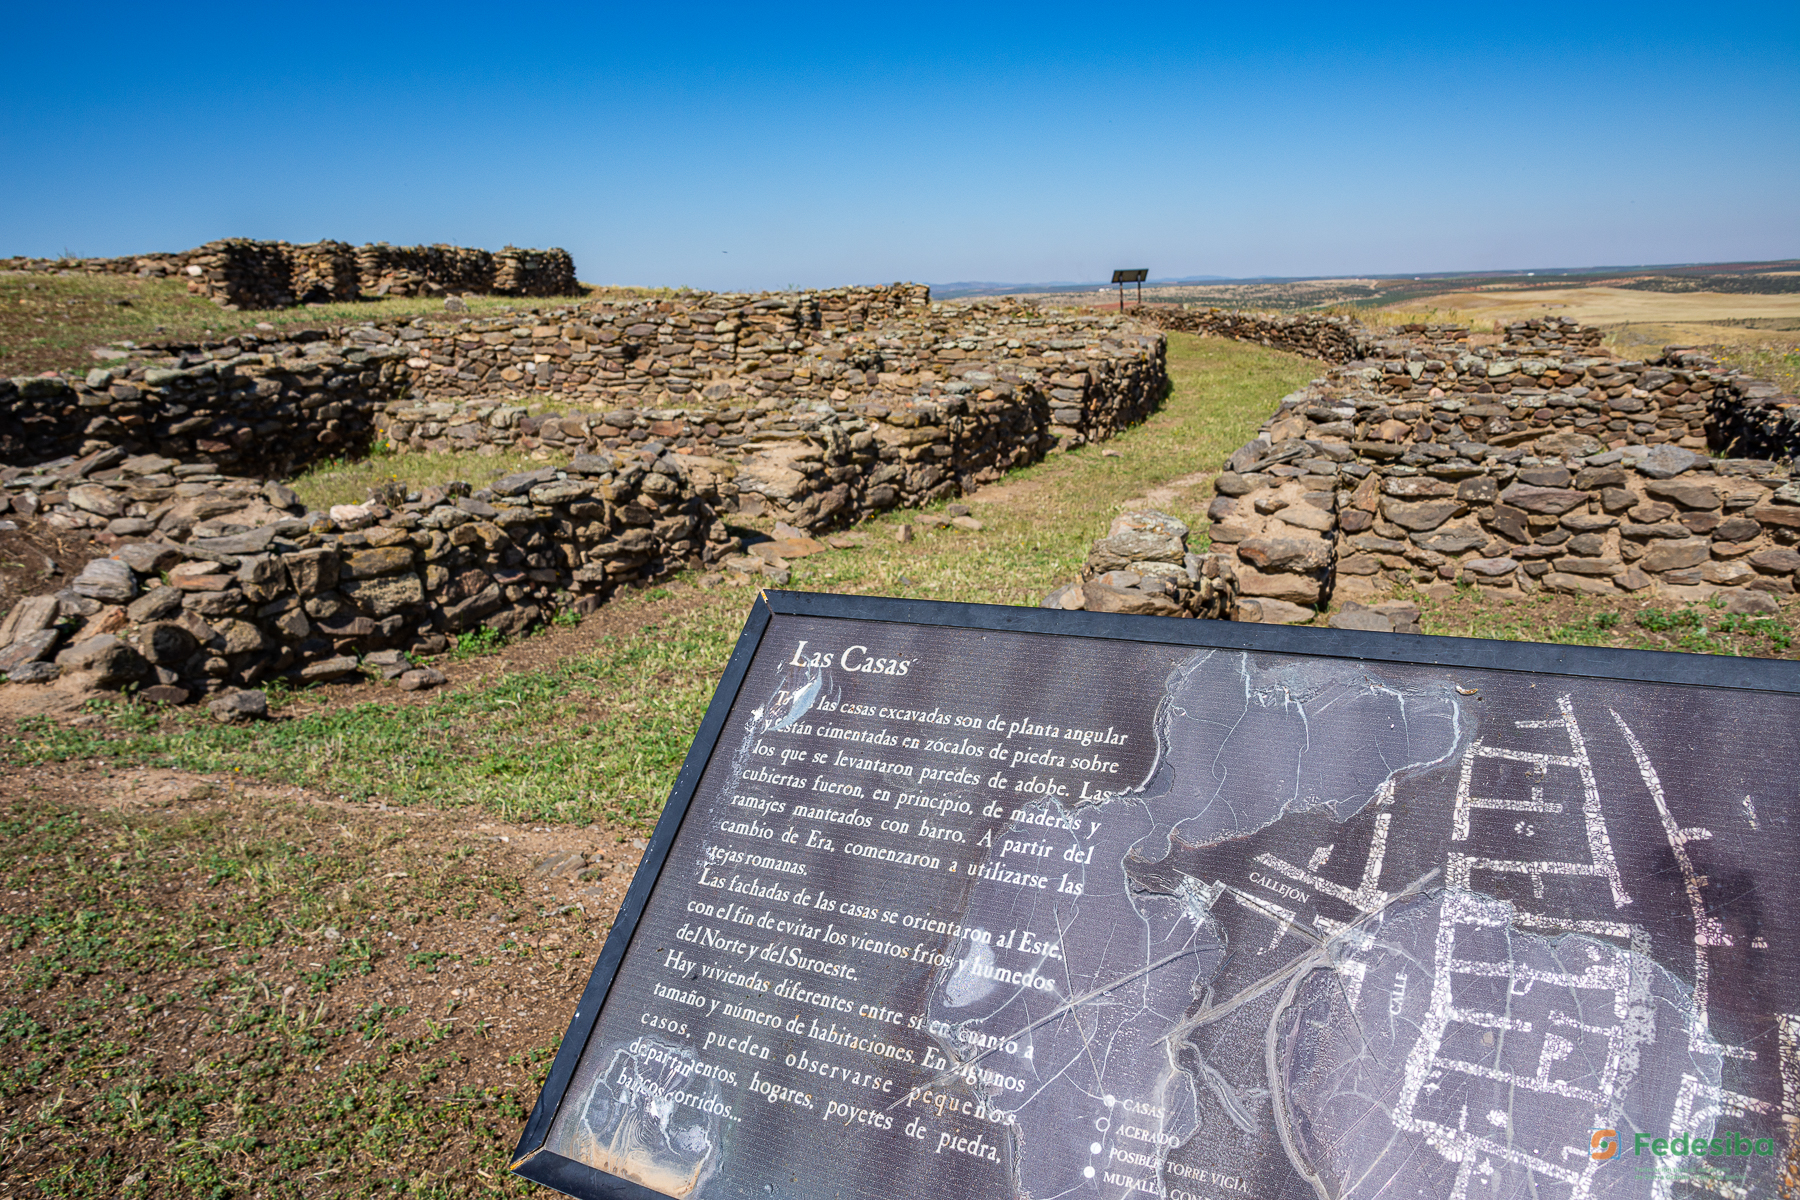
<point x="599" y="734"/>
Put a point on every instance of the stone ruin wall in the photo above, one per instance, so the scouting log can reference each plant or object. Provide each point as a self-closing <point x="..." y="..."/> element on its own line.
<point x="240" y="273"/>
<point x="1540" y="463"/>
<point x="817" y="409"/>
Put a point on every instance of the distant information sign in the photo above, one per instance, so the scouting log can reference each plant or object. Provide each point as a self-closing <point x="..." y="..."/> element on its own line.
<point x="960" y="901"/>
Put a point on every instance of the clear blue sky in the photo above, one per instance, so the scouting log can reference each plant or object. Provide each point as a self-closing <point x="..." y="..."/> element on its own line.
<point x="766" y="145"/>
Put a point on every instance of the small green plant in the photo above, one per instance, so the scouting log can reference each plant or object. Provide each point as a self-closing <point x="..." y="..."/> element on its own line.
<point x="481" y="640"/>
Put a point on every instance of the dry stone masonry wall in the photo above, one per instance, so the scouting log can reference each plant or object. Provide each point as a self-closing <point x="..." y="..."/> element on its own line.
<point x="239" y="273"/>
<point x="219" y="582"/>
<point x="821" y="407"/>
<point x="1538" y="463"/>
<point x="668" y="415"/>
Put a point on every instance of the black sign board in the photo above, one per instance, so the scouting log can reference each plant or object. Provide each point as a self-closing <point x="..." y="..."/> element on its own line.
<point x="1135" y="275"/>
<point x="966" y="901"/>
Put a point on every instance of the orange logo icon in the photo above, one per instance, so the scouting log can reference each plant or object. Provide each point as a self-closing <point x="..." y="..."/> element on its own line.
<point x="1605" y="1143"/>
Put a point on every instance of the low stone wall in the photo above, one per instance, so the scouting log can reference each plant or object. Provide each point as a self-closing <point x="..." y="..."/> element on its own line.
<point x="255" y="405"/>
<point x="825" y="406"/>
<point x="1143" y="567"/>
<point x="1333" y="339"/>
<point x="829" y="407"/>
<point x="151" y="266"/>
<point x="217" y="583"/>
<point x="238" y="273"/>
<point x="1337" y="339"/>
<point x="1517" y="467"/>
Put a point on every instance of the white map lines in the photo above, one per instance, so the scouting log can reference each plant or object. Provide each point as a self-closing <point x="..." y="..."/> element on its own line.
<point x="1708" y="931"/>
<point x="1556" y="1072"/>
<point x="1366" y="897"/>
<point x="1460" y="868"/>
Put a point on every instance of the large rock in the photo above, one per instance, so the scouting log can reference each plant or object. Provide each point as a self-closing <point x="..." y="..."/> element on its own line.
<point x="101" y="501"/>
<point x="1576" y="585"/>
<point x="33" y="647"/>
<point x="1420" y="516"/>
<point x="148" y="558"/>
<point x="34" y="672"/>
<point x="328" y="669"/>
<point x="155" y="604"/>
<point x="1117" y="551"/>
<point x="1666" y="461"/>
<point x="312" y="571"/>
<point x="1306" y="516"/>
<point x="166" y="643"/>
<point x="106" y="579"/>
<point x="1782" y="515"/>
<point x="240" y="706"/>
<point x="1273" y="612"/>
<point x="1098" y="597"/>
<point x="238" y="637"/>
<point x="1568" y="444"/>
<point x="1685" y="493"/>
<point x="385" y="595"/>
<point x="27" y="617"/>
<point x="1776" y="561"/>
<point x="1491" y="568"/>
<point x="1297" y="589"/>
<point x="1746" y="602"/>
<point x="1453" y="541"/>
<point x="1285" y="554"/>
<point x="109" y="660"/>
<point x="1675" y="555"/>
<point x="371" y="564"/>
<point x="1550" y="501"/>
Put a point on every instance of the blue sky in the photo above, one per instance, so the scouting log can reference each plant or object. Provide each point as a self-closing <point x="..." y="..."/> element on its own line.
<point x="761" y="146"/>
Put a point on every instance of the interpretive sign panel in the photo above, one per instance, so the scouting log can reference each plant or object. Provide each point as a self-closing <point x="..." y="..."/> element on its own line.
<point x="959" y="901"/>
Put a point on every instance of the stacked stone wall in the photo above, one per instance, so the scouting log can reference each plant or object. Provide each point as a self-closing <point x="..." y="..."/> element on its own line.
<point x="218" y="582"/>
<point x="1537" y="463"/>
<point x="825" y="406"/>
<point x="818" y="409"/>
<point x="239" y="273"/>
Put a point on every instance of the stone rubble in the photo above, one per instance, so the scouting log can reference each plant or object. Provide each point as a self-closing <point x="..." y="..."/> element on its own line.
<point x="1143" y="567"/>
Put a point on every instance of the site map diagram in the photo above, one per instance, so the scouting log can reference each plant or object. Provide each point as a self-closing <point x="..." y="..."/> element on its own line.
<point x="1206" y="923"/>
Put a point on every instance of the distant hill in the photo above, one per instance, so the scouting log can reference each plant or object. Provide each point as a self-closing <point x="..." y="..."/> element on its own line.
<point x="952" y="291"/>
<point x="1771" y="277"/>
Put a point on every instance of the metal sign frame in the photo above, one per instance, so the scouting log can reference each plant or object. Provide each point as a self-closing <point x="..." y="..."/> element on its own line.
<point x="1127" y="275"/>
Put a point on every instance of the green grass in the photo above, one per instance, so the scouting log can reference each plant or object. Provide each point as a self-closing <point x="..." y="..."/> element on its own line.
<point x="1623" y="623"/>
<point x="167" y="1030"/>
<point x="349" y="480"/>
<point x="599" y="735"/>
<point x="51" y="321"/>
